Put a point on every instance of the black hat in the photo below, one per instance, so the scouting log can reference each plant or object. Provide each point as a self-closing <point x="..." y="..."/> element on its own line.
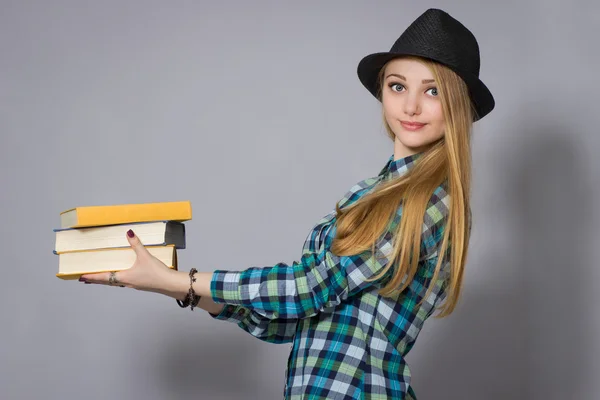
<point x="437" y="36"/>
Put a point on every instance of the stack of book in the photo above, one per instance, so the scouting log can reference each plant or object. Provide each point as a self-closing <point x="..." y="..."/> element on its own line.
<point x="93" y="239"/>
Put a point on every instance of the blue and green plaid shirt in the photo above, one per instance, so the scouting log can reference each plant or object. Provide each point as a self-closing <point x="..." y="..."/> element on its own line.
<point x="348" y="342"/>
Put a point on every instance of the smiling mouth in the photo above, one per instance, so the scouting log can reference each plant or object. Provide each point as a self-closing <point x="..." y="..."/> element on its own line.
<point x="412" y="126"/>
<point x="412" y="123"/>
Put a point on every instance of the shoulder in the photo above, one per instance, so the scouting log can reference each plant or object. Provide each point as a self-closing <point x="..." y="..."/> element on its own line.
<point x="364" y="186"/>
<point x="358" y="190"/>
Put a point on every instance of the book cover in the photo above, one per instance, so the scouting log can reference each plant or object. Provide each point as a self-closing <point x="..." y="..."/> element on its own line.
<point x="88" y="216"/>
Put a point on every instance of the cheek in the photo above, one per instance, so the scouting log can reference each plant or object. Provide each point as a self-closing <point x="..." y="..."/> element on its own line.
<point x="391" y="108"/>
<point x="388" y="113"/>
<point x="440" y="130"/>
<point x="386" y="103"/>
<point x="436" y="115"/>
<point x="433" y="108"/>
<point x="438" y="126"/>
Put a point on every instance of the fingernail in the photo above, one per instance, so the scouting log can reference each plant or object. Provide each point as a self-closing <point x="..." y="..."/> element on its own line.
<point x="82" y="280"/>
<point x="130" y="233"/>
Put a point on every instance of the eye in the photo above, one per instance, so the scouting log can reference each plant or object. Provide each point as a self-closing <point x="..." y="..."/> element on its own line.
<point x="396" y="87"/>
<point x="435" y="91"/>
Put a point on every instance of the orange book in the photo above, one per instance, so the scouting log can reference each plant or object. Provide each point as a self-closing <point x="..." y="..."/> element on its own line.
<point x="80" y="217"/>
<point x="73" y="264"/>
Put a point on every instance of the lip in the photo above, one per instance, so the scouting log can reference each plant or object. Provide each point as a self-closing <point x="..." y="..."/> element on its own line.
<point x="412" y="126"/>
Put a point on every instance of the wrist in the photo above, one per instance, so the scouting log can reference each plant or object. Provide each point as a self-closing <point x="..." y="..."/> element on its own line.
<point x="177" y="284"/>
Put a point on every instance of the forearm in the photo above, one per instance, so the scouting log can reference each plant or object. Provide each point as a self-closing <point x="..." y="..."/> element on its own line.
<point x="177" y="286"/>
<point x="207" y="304"/>
<point x="319" y="282"/>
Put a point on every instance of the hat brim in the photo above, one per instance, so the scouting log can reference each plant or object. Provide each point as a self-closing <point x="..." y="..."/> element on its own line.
<point x="370" y="66"/>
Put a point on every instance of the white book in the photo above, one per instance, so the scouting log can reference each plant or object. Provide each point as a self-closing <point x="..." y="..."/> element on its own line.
<point x="72" y="265"/>
<point x="157" y="233"/>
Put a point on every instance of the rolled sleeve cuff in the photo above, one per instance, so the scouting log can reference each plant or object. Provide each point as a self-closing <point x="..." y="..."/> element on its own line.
<point x="225" y="287"/>
<point x="231" y="313"/>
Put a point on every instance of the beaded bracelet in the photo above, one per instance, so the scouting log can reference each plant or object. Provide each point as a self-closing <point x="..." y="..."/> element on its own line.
<point x="191" y="298"/>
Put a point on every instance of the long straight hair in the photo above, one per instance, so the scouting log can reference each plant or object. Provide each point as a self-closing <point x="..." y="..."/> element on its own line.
<point x="447" y="162"/>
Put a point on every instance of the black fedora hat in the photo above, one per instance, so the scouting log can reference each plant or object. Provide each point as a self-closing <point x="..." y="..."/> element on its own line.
<point x="437" y="36"/>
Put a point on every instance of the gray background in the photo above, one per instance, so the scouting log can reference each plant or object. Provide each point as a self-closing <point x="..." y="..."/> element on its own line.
<point x="253" y="111"/>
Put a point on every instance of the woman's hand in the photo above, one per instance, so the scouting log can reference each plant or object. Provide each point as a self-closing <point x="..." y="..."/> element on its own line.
<point x="147" y="274"/>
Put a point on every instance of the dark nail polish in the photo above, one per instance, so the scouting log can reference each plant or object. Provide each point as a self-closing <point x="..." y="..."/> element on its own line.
<point x="82" y="279"/>
<point x="130" y="233"/>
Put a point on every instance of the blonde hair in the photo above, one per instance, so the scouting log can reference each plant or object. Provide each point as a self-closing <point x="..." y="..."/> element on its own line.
<point x="447" y="162"/>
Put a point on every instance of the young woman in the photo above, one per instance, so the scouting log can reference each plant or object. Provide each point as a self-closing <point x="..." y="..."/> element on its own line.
<point x="392" y="251"/>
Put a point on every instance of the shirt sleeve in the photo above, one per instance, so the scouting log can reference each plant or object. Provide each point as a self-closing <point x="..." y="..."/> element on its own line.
<point x="319" y="280"/>
<point x="268" y="330"/>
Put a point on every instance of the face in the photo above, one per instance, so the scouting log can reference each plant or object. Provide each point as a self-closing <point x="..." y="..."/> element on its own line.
<point x="411" y="106"/>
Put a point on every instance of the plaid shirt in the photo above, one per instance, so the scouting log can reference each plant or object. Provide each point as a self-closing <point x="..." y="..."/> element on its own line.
<point x="348" y="342"/>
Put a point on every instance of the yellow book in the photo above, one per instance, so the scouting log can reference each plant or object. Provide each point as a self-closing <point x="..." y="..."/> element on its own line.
<point x="80" y="217"/>
<point x="73" y="264"/>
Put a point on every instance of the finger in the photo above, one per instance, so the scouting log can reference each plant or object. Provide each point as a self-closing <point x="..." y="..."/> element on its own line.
<point x="136" y="244"/>
<point x="99" y="278"/>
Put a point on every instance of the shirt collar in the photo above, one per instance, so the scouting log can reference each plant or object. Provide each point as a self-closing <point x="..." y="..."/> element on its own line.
<point x="395" y="168"/>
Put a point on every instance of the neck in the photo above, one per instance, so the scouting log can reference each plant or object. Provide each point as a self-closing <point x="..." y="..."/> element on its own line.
<point x="402" y="151"/>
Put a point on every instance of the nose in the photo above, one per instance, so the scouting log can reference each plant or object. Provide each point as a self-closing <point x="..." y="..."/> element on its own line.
<point x="412" y="104"/>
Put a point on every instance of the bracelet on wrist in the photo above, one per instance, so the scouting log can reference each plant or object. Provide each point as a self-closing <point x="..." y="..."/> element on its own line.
<point x="191" y="298"/>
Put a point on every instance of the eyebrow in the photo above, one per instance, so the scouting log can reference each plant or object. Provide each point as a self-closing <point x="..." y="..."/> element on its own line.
<point x="404" y="79"/>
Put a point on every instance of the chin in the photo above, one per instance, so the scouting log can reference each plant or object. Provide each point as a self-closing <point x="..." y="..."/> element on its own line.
<point x="413" y="147"/>
<point x="415" y="144"/>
